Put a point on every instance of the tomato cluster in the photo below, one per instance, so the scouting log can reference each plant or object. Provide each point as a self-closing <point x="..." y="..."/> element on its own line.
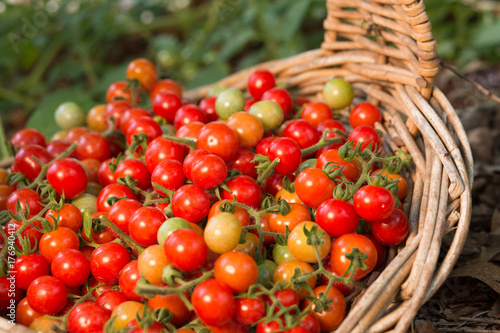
<point x="257" y="210"/>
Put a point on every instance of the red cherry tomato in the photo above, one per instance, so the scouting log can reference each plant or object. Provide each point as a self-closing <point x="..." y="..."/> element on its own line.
<point x="27" y="164"/>
<point x="144" y="224"/>
<point x="365" y="135"/>
<point x="112" y="190"/>
<point x="144" y="71"/>
<point x="214" y="302"/>
<point x="56" y="241"/>
<point x="169" y="174"/>
<point x="162" y="149"/>
<point x="280" y="96"/>
<point x="191" y="203"/>
<point x="107" y="261"/>
<point x="259" y="82"/>
<point x="250" y="310"/>
<point x="337" y="217"/>
<point x="28" y="268"/>
<point x="67" y="176"/>
<point x="28" y="136"/>
<point x="316" y="112"/>
<point x="219" y="139"/>
<point x="289" y="153"/>
<point x="166" y="105"/>
<point x="313" y="187"/>
<point x="364" y="114"/>
<point x="87" y="317"/>
<point x="47" y="295"/>
<point x="128" y="280"/>
<point x="185" y="249"/>
<point x="374" y="203"/>
<point x="137" y="170"/>
<point x="71" y="267"/>
<point x="245" y="189"/>
<point x="188" y="114"/>
<point x="208" y="171"/>
<point x="391" y="230"/>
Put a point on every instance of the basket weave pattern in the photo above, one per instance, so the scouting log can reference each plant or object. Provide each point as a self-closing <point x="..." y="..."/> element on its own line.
<point x="385" y="48"/>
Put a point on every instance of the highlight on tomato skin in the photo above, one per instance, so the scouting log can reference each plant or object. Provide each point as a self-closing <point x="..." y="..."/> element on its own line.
<point x="217" y="213"/>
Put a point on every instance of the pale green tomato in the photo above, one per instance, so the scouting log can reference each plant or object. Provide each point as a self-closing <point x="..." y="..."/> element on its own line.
<point x="216" y="90"/>
<point x="281" y="253"/>
<point x="269" y="113"/>
<point x="266" y="273"/>
<point x="228" y="102"/>
<point x="222" y="232"/>
<point x="169" y="226"/>
<point x="69" y="115"/>
<point x="86" y="202"/>
<point x="338" y="94"/>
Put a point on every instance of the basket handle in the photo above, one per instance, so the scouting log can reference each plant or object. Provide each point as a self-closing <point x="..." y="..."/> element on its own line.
<point x="397" y="32"/>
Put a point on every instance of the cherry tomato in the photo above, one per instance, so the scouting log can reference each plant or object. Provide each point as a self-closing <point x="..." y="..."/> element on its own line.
<point x="57" y="147"/>
<point x="262" y="147"/>
<point x="259" y="82"/>
<point x="281" y="253"/>
<point x="290" y="197"/>
<point x="166" y="105"/>
<point x="337" y="217"/>
<point x="45" y="324"/>
<point x="25" y="313"/>
<point x="374" y="203"/>
<point x="112" y="190"/>
<point x="71" y="267"/>
<point x="162" y="149"/>
<point x="28" y="268"/>
<point x="29" y="232"/>
<point x="391" y="230"/>
<point x="332" y="317"/>
<point x="286" y="270"/>
<point x="402" y="183"/>
<point x="289" y="153"/>
<point x="297" y="243"/>
<point x="172" y="303"/>
<point x="381" y="252"/>
<point x="331" y="157"/>
<point x="75" y="134"/>
<point x="207" y="105"/>
<point x="245" y="189"/>
<point x="310" y="323"/>
<point x="128" y="280"/>
<point x="365" y="135"/>
<point x="237" y="270"/>
<point x="185" y="249"/>
<point x="144" y="125"/>
<point x="286" y="298"/>
<point x="144" y="71"/>
<point x="345" y="244"/>
<point x="5" y="192"/>
<point x="219" y="139"/>
<point x="187" y="114"/>
<point x="117" y="91"/>
<point x="228" y="102"/>
<point x="364" y="114"/>
<point x="243" y="162"/>
<point x="298" y="213"/>
<point x="191" y="203"/>
<point x="191" y="130"/>
<point x="87" y="317"/>
<point x="47" y="295"/>
<point x="121" y="212"/>
<point x="144" y="224"/>
<point x="132" y="115"/>
<point x="313" y="187"/>
<point x="338" y="93"/>
<point x="249" y="246"/>
<point x="110" y="299"/>
<point x="247" y="127"/>
<point x="93" y="145"/>
<point x="125" y="313"/>
<point x="56" y="241"/>
<point x="166" y="85"/>
<point x="67" y="176"/>
<point x="303" y="132"/>
<point x="208" y="171"/>
<point x="250" y="310"/>
<point x="222" y="232"/>
<point x="107" y="261"/>
<point x="151" y="263"/>
<point x="116" y="110"/>
<point x="27" y="164"/>
<point x="214" y="302"/>
<point x="316" y="112"/>
<point x="137" y="170"/>
<point x="28" y="136"/>
<point x="280" y="96"/>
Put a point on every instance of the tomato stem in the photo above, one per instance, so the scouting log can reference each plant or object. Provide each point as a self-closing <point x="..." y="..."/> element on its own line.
<point x="186" y="141"/>
<point x="123" y="236"/>
<point x="268" y="171"/>
<point x="323" y="142"/>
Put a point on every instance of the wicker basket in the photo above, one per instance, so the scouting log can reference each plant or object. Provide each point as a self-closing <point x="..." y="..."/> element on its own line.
<point x="386" y="49"/>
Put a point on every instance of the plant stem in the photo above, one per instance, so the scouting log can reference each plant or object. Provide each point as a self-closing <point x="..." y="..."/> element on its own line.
<point x="123" y="236"/>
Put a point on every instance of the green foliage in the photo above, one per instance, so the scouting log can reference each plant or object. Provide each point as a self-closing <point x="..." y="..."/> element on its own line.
<point x="463" y="33"/>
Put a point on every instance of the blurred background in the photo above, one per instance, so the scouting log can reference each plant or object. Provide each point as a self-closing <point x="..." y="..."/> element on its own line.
<point x="56" y="50"/>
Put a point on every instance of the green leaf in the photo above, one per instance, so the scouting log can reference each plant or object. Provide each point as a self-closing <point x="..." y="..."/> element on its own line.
<point x="294" y="17"/>
<point x="487" y="36"/>
<point x="43" y="116"/>
<point x="209" y="74"/>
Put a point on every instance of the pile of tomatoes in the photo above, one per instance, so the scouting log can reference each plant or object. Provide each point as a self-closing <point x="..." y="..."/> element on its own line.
<point x="253" y="211"/>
